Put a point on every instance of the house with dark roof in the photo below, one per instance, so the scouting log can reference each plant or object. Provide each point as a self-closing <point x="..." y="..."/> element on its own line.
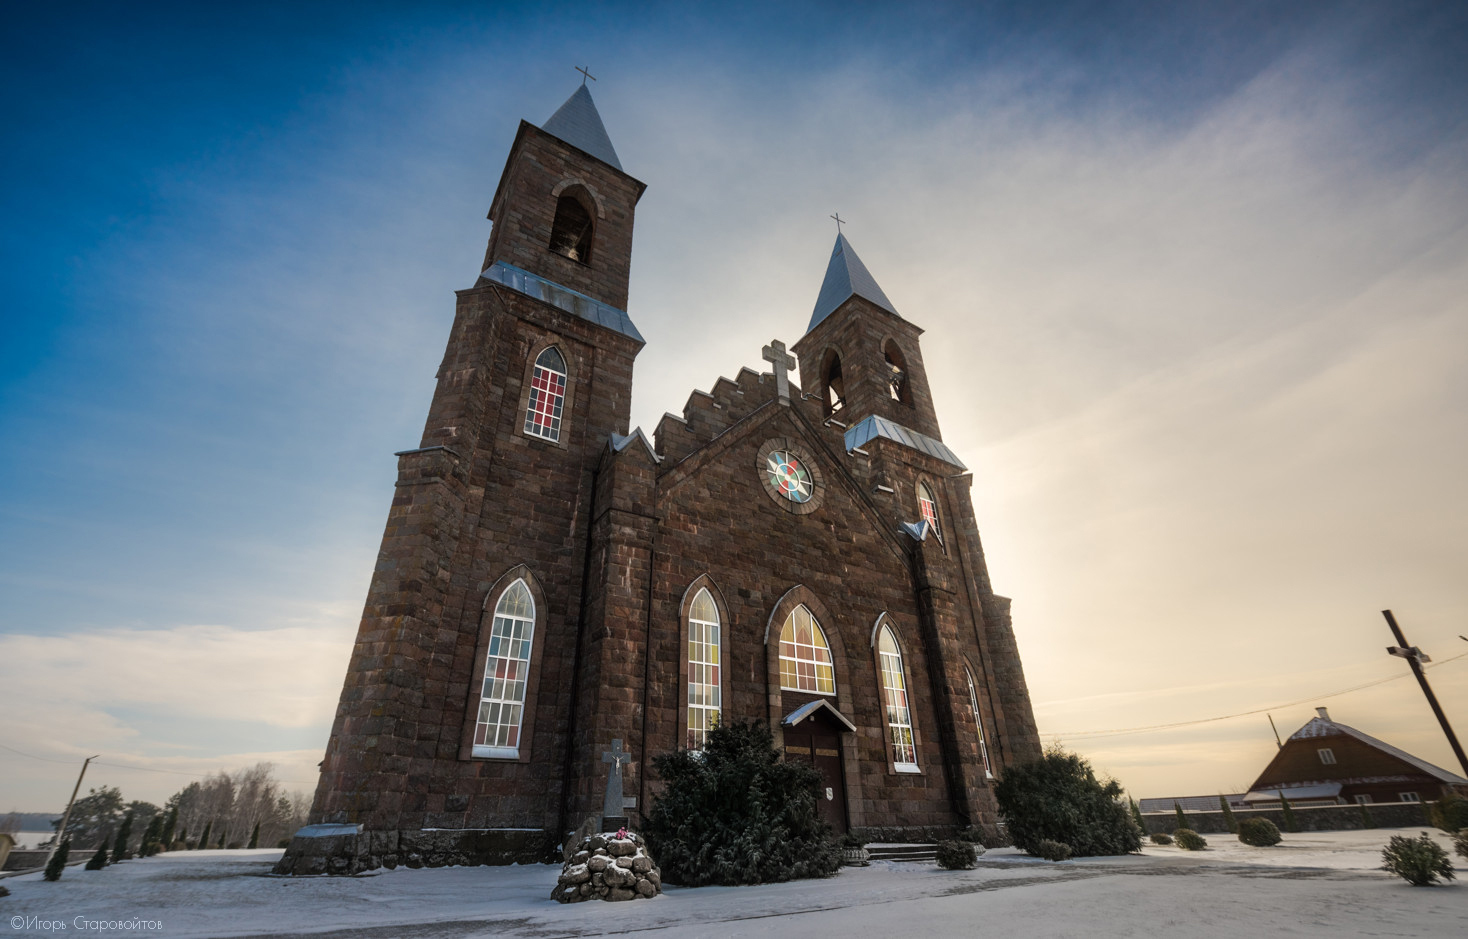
<point x="1326" y="762"/>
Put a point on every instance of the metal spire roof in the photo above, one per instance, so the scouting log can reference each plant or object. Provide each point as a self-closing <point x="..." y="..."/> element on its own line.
<point x="578" y="124"/>
<point x="846" y="277"/>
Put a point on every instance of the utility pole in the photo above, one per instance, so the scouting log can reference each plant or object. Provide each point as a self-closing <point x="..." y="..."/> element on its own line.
<point x="66" y="816"/>
<point x="1415" y="658"/>
<point x="1277" y="742"/>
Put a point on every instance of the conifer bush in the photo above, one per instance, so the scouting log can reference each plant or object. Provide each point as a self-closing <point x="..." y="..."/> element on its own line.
<point x="98" y="860"/>
<point x="1229" y="822"/>
<point x="149" y="845"/>
<point x="254" y="837"/>
<point x="1159" y="837"/>
<point x="204" y="839"/>
<point x="1450" y="813"/>
<point x="1419" y="861"/>
<point x="1291" y="825"/>
<point x="1058" y="798"/>
<point x="1366" y="820"/>
<point x="57" y="864"/>
<point x="1189" y="840"/>
<point x="119" y="847"/>
<point x="1258" y="832"/>
<point x="1460" y="843"/>
<point x="1137" y="816"/>
<point x="1051" y="850"/>
<point x="956" y="855"/>
<point x="737" y="814"/>
<point x="168" y="828"/>
<point x="1182" y="819"/>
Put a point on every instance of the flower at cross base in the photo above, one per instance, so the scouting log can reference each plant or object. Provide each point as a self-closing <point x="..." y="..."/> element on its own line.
<point x="622" y="833"/>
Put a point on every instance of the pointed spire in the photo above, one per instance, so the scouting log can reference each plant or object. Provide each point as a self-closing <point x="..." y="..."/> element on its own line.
<point x="846" y="277"/>
<point x="578" y="124"/>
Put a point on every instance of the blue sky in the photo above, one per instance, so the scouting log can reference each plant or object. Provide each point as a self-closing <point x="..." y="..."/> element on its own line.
<point x="1192" y="277"/>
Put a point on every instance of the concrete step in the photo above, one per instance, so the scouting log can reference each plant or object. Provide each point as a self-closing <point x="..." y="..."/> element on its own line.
<point x="903" y="852"/>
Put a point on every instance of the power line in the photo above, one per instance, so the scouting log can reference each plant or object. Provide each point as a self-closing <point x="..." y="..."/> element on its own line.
<point x="1226" y="717"/>
<point x="145" y="769"/>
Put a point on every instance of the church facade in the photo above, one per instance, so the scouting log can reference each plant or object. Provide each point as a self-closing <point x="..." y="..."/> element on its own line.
<point x="550" y="581"/>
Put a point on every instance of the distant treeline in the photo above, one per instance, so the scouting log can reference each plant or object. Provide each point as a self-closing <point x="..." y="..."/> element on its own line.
<point x="29" y="821"/>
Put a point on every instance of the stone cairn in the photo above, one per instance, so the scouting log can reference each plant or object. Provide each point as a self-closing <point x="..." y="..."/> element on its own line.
<point x="608" y="866"/>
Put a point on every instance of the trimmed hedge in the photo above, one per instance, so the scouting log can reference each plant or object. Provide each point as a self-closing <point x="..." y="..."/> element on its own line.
<point x="1189" y="840"/>
<point x="956" y="855"/>
<point x="1258" y="832"/>
<point x="1051" y="850"/>
<point x="1161" y="838"/>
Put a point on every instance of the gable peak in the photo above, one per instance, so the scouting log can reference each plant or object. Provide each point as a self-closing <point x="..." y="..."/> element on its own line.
<point x="578" y="123"/>
<point x="846" y="277"/>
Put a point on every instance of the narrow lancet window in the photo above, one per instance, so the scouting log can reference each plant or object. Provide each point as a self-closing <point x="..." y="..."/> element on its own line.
<point x="894" y="696"/>
<point x="704" y="698"/>
<point x="897" y="384"/>
<point x="929" y="507"/>
<point x="571" y="230"/>
<point x="506" y="670"/>
<point x="805" y="658"/>
<point x="835" y="386"/>
<point x="547" y="396"/>
<point x="973" y="700"/>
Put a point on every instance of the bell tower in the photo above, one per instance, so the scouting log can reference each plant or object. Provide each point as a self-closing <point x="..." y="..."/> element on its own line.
<point x="859" y="356"/>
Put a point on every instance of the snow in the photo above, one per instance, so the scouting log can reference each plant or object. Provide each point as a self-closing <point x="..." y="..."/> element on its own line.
<point x="1320" y="884"/>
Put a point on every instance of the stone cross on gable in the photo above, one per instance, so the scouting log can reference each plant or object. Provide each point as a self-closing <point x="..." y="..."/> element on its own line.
<point x="783" y="362"/>
<point x="612" y="805"/>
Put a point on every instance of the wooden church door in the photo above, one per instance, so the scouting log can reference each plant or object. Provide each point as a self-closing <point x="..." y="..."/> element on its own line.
<point x="812" y="741"/>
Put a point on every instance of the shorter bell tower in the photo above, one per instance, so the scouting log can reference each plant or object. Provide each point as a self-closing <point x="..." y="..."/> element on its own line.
<point x="859" y="356"/>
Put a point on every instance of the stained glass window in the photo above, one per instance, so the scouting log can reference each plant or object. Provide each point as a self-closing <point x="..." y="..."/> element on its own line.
<point x="973" y="700"/>
<point x="703" y="669"/>
<point x="547" y="395"/>
<point x="929" y="508"/>
<point x="789" y="476"/>
<point x="805" y="658"/>
<point x="502" y="698"/>
<point x="894" y="696"/>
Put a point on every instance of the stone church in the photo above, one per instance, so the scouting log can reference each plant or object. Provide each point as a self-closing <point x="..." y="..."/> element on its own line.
<point x="551" y="581"/>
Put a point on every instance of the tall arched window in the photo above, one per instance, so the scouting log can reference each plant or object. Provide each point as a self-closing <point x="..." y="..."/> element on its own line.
<point x="805" y="658"/>
<point x="835" y="386"/>
<point x="897" y="384"/>
<point x="929" y="507"/>
<point x="894" y="697"/>
<point x="506" y="670"/>
<point x="572" y="228"/>
<point x="704" y="698"/>
<point x="973" y="700"/>
<point x="547" y="395"/>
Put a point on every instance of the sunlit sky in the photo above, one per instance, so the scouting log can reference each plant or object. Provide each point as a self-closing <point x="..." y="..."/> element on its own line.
<point x="1193" y="279"/>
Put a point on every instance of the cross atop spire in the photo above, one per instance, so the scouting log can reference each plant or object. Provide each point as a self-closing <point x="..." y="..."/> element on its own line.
<point x="839" y="220"/>
<point x="585" y="74"/>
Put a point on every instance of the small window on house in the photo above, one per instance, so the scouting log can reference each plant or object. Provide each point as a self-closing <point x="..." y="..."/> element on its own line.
<point x="1327" y="756"/>
<point x="835" y="386"/>
<point x="973" y="700"/>
<point x="1363" y="800"/>
<point x="897" y="384"/>
<point x="547" y="396"/>
<point x="805" y="657"/>
<point x="894" y="697"/>
<point x="929" y="507"/>
<point x="1407" y="797"/>
<point x="572" y="228"/>
<point x="704" y="700"/>
<point x="506" y="671"/>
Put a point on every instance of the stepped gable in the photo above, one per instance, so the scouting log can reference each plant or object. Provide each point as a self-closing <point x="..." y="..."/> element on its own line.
<point x="706" y="414"/>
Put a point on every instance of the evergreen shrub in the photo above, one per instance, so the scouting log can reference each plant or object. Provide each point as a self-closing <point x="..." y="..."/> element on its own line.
<point x="99" y="860"/>
<point x="1460" y="843"/>
<point x="1137" y="816"/>
<point x="1189" y="840"/>
<point x="956" y="855"/>
<point x="1058" y="798"/>
<point x="1229" y="822"/>
<point x="1419" y="861"/>
<point x="1450" y="813"/>
<point x="119" y="847"/>
<point x="1051" y="850"/>
<point x="737" y="814"/>
<point x="1182" y="819"/>
<point x="254" y="837"/>
<point x="1159" y="837"/>
<point x="57" y="864"/>
<point x="1258" y="832"/>
<point x="853" y="840"/>
<point x="1289" y="814"/>
<point x="204" y="838"/>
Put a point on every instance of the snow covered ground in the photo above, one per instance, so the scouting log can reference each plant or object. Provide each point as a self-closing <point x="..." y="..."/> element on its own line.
<point x="1323" y="884"/>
